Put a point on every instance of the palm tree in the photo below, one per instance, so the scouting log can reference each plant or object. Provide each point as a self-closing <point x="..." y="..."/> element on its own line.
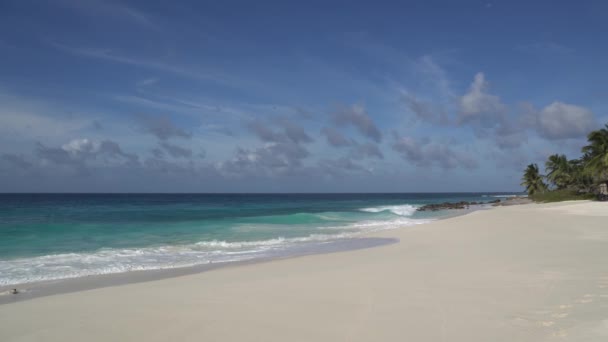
<point x="559" y="171"/>
<point x="533" y="180"/>
<point x="596" y="154"/>
<point x="579" y="178"/>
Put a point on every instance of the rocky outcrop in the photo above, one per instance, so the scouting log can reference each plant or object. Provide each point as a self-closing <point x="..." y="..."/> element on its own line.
<point x="514" y="201"/>
<point x="452" y="205"/>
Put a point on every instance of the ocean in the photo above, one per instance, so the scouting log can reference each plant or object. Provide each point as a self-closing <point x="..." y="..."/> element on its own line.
<point x="60" y="236"/>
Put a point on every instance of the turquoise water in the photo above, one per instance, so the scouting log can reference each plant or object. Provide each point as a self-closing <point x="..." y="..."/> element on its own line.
<point x="57" y="236"/>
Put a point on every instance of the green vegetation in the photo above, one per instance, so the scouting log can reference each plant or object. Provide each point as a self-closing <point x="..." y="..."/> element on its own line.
<point x="571" y="179"/>
<point x="595" y="155"/>
<point x="533" y="180"/>
<point x="561" y="195"/>
<point x="559" y="170"/>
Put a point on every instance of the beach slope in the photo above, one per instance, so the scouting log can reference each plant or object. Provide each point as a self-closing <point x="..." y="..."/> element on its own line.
<point x="520" y="273"/>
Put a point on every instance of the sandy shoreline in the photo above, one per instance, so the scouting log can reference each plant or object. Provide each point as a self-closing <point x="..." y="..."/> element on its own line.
<point x="33" y="290"/>
<point x="518" y="273"/>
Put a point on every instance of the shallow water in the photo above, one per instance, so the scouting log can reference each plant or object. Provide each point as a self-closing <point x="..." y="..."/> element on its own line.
<point x="58" y="236"/>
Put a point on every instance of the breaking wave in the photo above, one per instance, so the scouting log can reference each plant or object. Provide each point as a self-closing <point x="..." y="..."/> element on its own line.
<point x="401" y="210"/>
<point x="113" y="260"/>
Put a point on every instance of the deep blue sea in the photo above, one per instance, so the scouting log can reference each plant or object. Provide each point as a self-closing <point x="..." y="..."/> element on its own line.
<point x="58" y="236"/>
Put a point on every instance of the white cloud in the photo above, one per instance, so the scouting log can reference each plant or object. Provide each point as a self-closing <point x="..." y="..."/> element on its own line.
<point x="358" y="117"/>
<point x="425" y="110"/>
<point x="81" y="153"/>
<point x="425" y="153"/>
<point x="562" y="121"/>
<point x="477" y="104"/>
<point x="77" y="146"/>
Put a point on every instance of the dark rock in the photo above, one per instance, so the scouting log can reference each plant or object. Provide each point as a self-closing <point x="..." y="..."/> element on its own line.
<point x="449" y="205"/>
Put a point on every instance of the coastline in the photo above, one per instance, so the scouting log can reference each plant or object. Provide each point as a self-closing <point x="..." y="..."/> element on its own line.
<point x="35" y="290"/>
<point x="529" y="272"/>
<point x="43" y="288"/>
<point x="91" y="235"/>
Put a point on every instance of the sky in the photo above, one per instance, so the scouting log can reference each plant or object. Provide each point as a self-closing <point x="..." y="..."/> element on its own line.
<point x="285" y="96"/>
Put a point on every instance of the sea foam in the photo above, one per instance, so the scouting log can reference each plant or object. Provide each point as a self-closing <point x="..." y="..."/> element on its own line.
<point x="112" y="260"/>
<point x="401" y="210"/>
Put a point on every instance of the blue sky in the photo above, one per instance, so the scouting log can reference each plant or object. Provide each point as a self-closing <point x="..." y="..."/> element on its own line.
<point x="159" y="96"/>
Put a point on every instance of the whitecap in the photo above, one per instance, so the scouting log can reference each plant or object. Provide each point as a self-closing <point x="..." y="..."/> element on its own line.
<point x="111" y="260"/>
<point x="401" y="210"/>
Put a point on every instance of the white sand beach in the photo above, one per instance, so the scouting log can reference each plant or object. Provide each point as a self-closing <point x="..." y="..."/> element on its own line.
<point x="519" y="273"/>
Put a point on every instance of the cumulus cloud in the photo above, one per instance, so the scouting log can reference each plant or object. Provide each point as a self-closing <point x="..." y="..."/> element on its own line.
<point x="108" y="148"/>
<point x="424" y="111"/>
<point x="80" y="152"/>
<point x="485" y="113"/>
<point x="366" y="150"/>
<point x="357" y="117"/>
<point x="161" y="126"/>
<point x="562" y="121"/>
<point x="289" y="131"/>
<point x="479" y="106"/>
<point x="420" y="109"/>
<point x="489" y="117"/>
<point x="79" y="146"/>
<point x="426" y="154"/>
<point x="175" y="151"/>
<point x="409" y="149"/>
<point x="294" y="132"/>
<point x="264" y="132"/>
<point x="102" y="160"/>
<point x="282" y="153"/>
<point x="335" y="138"/>
<point x="271" y="159"/>
<point x="56" y="155"/>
